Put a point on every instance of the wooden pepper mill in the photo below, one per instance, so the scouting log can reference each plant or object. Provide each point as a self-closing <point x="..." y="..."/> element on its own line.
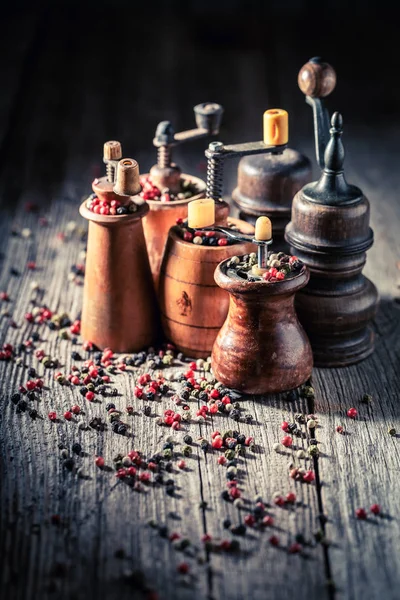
<point x="119" y="306"/>
<point x="167" y="175"/>
<point x="193" y="307"/>
<point x="261" y="348"/>
<point x="330" y="233"/>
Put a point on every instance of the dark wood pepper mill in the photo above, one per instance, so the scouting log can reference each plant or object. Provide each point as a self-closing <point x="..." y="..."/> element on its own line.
<point x="261" y="348"/>
<point x="267" y="184"/>
<point x="330" y="233"/>
<point x="119" y="305"/>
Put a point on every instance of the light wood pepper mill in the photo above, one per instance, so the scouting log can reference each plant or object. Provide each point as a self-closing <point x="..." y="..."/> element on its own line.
<point x="193" y="307"/>
<point x="330" y="233"/>
<point x="119" y="306"/>
<point x="166" y="175"/>
<point x="261" y="348"/>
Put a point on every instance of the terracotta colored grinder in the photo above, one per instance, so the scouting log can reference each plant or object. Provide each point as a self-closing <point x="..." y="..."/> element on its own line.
<point x="193" y="307"/>
<point x="119" y="305"/>
<point x="330" y="233"/>
<point x="166" y="189"/>
<point x="262" y="348"/>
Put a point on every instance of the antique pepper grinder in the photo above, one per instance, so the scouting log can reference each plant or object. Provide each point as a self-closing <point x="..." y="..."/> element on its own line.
<point x="330" y="233"/>
<point x="193" y="307"/>
<point x="261" y="348"/>
<point x="166" y="189"/>
<point x="119" y="306"/>
<point x="267" y="184"/>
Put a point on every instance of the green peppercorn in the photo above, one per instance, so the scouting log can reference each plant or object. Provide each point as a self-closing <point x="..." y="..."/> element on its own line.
<point x="367" y="399"/>
<point x="167" y="453"/>
<point x="240" y="450"/>
<point x="90" y="386"/>
<point x="207" y="366"/>
<point x="167" y="359"/>
<point x="186" y="450"/>
<point x="230" y="454"/>
<point x="313" y="450"/>
<point x="392" y="431"/>
<point x="63" y="334"/>
<point x="308" y="392"/>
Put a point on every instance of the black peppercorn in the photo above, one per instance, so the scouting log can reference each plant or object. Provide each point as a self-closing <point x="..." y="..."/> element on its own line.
<point x="241" y="438"/>
<point x="75" y="356"/>
<point x="122" y="210"/>
<point x="15" y="398"/>
<point x="68" y="464"/>
<point x="32" y="372"/>
<point x="225" y="496"/>
<point x="83" y="391"/>
<point x="291" y="396"/>
<point x="231" y="463"/>
<point x="159" y="478"/>
<point x="33" y="413"/>
<point x="230" y="475"/>
<point x="77" y="448"/>
<point x="147" y="410"/>
<point x="226" y="523"/>
<point x="235" y="414"/>
<point x="114" y="392"/>
<point x="122" y="429"/>
<point x="163" y="531"/>
<point x="170" y="490"/>
<point x="115" y="426"/>
<point x="188" y="439"/>
<point x="248" y="418"/>
<point x="185" y="395"/>
<point x="168" y="445"/>
<point x="168" y="467"/>
<point x="109" y="406"/>
<point x="22" y="405"/>
<point x="239" y="529"/>
<point x="31" y="395"/>
<point x="150" y="395"/>
<point x="35" y="337"/>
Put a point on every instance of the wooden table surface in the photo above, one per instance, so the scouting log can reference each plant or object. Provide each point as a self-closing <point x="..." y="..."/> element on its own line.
<point x="68" y="89"/>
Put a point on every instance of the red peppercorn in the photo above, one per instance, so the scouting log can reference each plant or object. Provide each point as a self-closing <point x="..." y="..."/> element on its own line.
<point x="291" y="497"/>
<point x="89" y="396"/>
<point x="182" y="464"/>
<point x="249" y="440"/>
<point x="4" y="296"/>
<point x="214" y="394"/>
<point x="68" y="415"/>
<point x="226" y="400"/>
<point x="121" y="474"/>
<point x="131" y="471"/>
<point x="361" y="514"/>
<point x="340" y="429"/>
<point x="29" y="317"/>
<point x="375" y="509"/>
<point x="293" y="259"/>
<point x="352" y="413"/>
<point x="75" y="409"/>
<point x="273" y="271"/>
<point x="52" y="415"/>
<point x="279" y="500"/>
<point x="176" y="425"/>
<point x="138" y="392"/>
<point x="31" y="265"/>
<point x="234" y="492"/>
<point x="30" y="385"/>
<point x="75" y="380"/>
<point x="174" y="536"/>
<point x="294" y="548"/>
<point x="179" y="221"/>
<point x="187" y="236"/>
<point x="287" y="441"/>
<point x="309" y="476"/>
<point x="183" y="568"/>
<point x="99" y="461"/>
<point x="222" y="460"/>
<point x="268" y="521"/>
<point x="144" y="477"/>
<point x="217" y="442"/>
<point x="274" y="540"/>
<point x="39" y="383"/>
<point x="266" y="276"/>
<point x="285" y="426"/>
<point x="280" y="276"/>
<point x="249" y="520"/>
<point x="213" y="409"/>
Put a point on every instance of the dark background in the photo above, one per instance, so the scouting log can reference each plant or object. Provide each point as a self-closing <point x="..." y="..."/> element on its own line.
<point x="77" y="73"/>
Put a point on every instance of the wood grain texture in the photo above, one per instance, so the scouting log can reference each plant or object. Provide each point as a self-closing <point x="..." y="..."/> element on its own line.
<point x="57" y="134"/>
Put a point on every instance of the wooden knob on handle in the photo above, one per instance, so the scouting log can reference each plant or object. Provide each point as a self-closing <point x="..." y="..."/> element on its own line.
<point x="317" y="78"/>
<point x="112" y="150"/>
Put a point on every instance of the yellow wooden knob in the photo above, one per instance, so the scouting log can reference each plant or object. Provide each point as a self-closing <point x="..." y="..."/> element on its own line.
<point x="201" y="213"/>
<point x="263" y="232"/>
<point x="276" y="127"/>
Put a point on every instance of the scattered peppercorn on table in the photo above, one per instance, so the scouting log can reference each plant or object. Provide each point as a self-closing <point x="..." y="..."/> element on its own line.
<point x="119" y="477"/>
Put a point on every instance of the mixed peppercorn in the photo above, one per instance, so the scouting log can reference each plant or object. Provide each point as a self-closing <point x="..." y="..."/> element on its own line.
<point x="280" y="266"/>
<point x="152" y="192"/>
<point x="110" y="207"/>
